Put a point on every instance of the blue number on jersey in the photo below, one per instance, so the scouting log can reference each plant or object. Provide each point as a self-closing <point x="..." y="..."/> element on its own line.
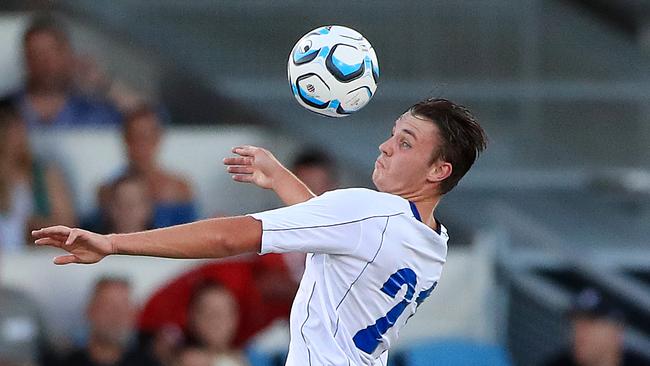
<point x="425" y="293"/>
<point x="368" y="339"/>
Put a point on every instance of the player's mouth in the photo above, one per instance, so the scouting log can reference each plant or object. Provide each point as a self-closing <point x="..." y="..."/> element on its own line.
<point x="378" y="164"/>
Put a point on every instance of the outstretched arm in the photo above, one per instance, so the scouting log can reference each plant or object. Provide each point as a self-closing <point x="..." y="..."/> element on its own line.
<point x="212" y="238"/>
<point x="258" y="166"/>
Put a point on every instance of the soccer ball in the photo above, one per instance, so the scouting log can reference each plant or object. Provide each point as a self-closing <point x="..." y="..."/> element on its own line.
<point x="333" y="71"/>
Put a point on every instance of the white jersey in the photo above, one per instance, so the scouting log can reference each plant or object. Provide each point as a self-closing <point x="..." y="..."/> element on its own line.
<point x="371" y="262"/>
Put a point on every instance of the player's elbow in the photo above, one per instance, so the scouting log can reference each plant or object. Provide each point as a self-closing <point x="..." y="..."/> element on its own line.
<point x="232" y="246"/>
<point x="238" y="236"/>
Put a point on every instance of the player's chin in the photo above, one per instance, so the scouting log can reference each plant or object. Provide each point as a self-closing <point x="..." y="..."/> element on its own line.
<point x="377" y="181"/>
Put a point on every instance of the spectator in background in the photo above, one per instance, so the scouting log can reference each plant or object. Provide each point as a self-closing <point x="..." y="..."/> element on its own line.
<point x="129" y="206"/>
<point x="33" y="194"/>
<point x="213" y="319"/>
<point x="50" y="98"/>
<point x="111" y="315"/>
<point x="598" y="328"/>
<point x="172" y="195"/>
<point x="168" y="308"/>
<point x="317" y="169"/>
<point x="92" y="80"/>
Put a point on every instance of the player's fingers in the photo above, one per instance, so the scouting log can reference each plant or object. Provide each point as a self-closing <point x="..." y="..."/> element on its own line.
<point x="49" y="241"/>
<point x="241" y="169"/>
<point x="74" y="234"/>
<point x="238" y="160"/>
<point x="243" y="178"/>
<point x="60" y="238"/>
<point x="51" y="231"/>
<point x="245" y="150"/>
<point x="66" y="259"/>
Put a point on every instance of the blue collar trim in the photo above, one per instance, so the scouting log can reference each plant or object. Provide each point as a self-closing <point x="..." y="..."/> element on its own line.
<point x="415" y="211"/>
<point x="416" y="214"/>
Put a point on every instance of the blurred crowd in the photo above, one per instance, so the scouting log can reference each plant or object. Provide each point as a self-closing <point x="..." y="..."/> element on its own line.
<point x="204" y="317"/>
<point x="597" y="334"/>
<point x="64" y="91"/>
<point x="207" y="315"/>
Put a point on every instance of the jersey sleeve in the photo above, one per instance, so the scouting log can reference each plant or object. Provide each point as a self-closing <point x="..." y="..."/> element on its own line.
<point x="332" y="223"/>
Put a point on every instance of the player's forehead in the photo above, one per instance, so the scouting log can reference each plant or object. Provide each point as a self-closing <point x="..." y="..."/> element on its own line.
<point x="420" y="127"/>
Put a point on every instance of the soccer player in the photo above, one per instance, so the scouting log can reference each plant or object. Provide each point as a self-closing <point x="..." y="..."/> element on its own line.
<point x="374" y="256"/>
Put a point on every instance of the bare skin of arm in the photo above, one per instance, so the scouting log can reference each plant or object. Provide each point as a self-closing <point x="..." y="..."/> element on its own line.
<point x="258" y="166"/>
<point x="212" y="238"/>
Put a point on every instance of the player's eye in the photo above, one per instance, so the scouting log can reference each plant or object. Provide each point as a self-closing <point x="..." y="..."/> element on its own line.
<point x="405" y="144"/>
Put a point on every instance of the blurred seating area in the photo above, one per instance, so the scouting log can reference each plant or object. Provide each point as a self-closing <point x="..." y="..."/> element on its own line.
<point x="117" y="117"/>
<point x="61" y="293"/>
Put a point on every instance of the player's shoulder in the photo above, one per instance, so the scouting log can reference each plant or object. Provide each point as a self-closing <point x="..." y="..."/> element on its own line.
<point x="362" y="193"/>
<point x="358" y="198"/>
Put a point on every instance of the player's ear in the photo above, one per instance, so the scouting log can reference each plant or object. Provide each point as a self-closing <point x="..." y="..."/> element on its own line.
<point x="439" y="171"/>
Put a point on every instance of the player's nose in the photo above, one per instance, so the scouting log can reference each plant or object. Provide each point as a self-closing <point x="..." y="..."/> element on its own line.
<point x="385" y="147"/>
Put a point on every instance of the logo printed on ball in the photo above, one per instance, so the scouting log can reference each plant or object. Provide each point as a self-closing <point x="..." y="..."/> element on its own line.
<point x="333" y="71"/>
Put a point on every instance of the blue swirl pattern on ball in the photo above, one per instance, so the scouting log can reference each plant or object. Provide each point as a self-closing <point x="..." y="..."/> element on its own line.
<point x="333" y="71"/>
<point x="301" y="58"/>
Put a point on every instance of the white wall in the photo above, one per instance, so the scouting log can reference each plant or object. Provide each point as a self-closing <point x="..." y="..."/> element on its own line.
<point x="11" y="30"/>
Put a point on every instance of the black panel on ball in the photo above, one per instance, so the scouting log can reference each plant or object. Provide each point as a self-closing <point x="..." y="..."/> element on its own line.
<point x="306" y="58"/>
<point x="375" y="75"/>
<point x="337" y="73"/>
<point x="307" y="101"/>
<point x="340" y="110"/>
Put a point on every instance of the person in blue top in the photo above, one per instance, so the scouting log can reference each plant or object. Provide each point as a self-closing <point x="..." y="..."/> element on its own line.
<point x="49" y="98"/>
<point x="171" y="193"/>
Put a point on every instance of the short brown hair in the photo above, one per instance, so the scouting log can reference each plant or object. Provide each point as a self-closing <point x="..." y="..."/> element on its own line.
<point x="313" y="156"/>
<point x="47" y="24"/>
<point x="463" y="139"/>
<point x="107" y="280"/>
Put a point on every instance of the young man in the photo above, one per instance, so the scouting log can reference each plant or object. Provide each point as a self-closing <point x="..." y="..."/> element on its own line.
<point x="373" y="256"/>
<point x="50" y="98"/>
<point x="110" y="314"/>
<point x="598" y="330"/>
<point x="142" y="135"/>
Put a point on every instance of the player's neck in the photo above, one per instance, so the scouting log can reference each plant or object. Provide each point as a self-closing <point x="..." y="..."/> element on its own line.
<point x="426" y="209"/>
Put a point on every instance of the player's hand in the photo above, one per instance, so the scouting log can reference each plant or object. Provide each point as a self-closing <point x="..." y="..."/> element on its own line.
<point x="254" y="165"/>
<point x="84" y="246"/>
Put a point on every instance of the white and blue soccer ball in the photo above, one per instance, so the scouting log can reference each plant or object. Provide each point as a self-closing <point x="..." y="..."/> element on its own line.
<point x="333" y="71"/>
